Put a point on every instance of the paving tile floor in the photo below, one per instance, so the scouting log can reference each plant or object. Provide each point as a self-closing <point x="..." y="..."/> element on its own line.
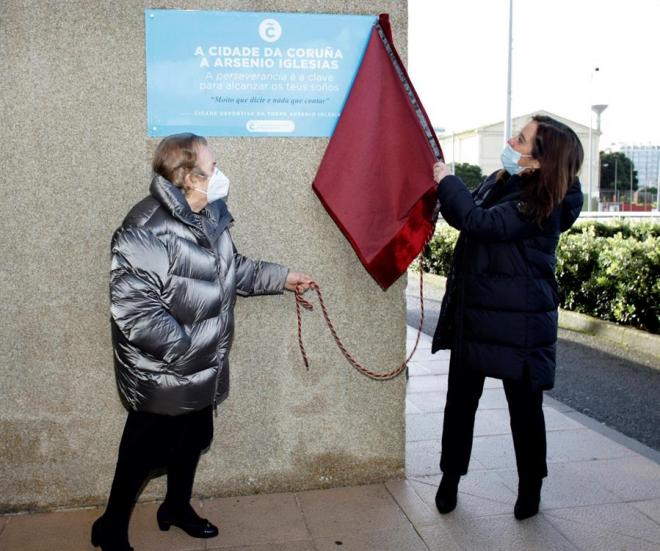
<point x="600" y="494"/>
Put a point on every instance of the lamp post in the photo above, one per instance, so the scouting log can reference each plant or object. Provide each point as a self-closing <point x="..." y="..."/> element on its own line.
<point x="616" y="194"/>
<point x="615" y="199"/>
<point x="632" y="155"/>
<point x="598" y="109"/>
<point x="657" y="189"/>
<point x="507" y="118"/>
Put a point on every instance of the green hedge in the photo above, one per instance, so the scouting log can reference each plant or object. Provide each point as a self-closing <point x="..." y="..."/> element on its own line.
<point x="438" y="254"/>
<point x="610" y="271"/>
<point x="637" y="230"/>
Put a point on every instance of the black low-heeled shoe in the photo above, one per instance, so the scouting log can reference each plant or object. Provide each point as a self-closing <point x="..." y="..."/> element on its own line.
<point x="102" y="540"/>
<point x="190" y="522"/>
<point x="447" y="495"/>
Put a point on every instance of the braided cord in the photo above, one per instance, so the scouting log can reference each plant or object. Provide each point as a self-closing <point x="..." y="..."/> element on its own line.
<point x="379" y="376"/>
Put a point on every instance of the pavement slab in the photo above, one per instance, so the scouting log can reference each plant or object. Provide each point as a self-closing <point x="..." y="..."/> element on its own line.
<point x="632" y="478"/>
<point x="557" y="420"/>
<point x="399" y="539"/>
<point x="427" y="384"/>
<point x="70" y="530"/>
<point x="494" y="452"/>
<point x="420" y="369"/>
<point x="651" y="508"/>
<point x="499" y="533"/>
<point x="618" y="518"/>
<point x="427" y="402"/>
<point x="423" y="427"/>
<point x="256" y="520"/>
<point x="583" y="445"/>
<point x="480" y="494"/>
<point x="288" y="546"/>
<point x="340" y="511"/>
<point x="422" y="458"/>
<point x="438" y="538"/>
<point x="415" y="508"/>
<point x="567" y="485"/>
<point x="588" y="538"/>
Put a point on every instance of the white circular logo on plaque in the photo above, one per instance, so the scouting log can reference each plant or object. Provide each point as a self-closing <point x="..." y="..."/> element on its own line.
<point x="270" y="30"/>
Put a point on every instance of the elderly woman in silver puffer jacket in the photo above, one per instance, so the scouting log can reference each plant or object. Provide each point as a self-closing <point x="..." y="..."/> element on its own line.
<point x="175" y="276"/>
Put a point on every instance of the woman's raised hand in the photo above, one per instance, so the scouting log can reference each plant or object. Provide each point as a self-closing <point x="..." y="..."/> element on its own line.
<point x="440" y="170"/>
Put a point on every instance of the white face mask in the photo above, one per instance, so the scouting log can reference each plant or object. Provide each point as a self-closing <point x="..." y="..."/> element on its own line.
<point x="218" y="187"/>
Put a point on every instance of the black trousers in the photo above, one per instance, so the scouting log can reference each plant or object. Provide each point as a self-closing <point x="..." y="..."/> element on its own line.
<point x="150" y="443"/>
<point x="527" y="423"/>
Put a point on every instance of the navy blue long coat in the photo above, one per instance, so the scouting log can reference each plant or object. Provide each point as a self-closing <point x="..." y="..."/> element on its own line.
<point x="499" y="312"/>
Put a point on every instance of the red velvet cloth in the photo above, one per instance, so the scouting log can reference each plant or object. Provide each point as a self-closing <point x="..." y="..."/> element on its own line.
<point x="375" y="179"/>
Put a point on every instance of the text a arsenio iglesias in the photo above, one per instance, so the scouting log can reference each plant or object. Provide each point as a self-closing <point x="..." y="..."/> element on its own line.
<point x="244" y="57"/>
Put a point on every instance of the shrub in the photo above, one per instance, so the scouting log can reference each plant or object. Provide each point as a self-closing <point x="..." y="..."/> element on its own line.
<point x="612" y="271"/>
<point x="577" y="259"/>
<point x="627" y="280"/>
<point x="438" y="254"/>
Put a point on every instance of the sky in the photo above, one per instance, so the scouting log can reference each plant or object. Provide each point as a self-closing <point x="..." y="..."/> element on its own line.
<point x="457" y="60"/>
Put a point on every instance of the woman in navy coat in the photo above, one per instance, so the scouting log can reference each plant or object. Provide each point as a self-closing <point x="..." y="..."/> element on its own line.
<point x="499" y="313"/>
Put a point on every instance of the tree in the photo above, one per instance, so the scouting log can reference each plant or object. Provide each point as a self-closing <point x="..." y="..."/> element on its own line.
<point x="616" y="163"/>
<point x="470" y="174"/>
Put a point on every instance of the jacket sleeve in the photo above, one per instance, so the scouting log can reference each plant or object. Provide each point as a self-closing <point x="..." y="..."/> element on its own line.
<point x="571" y="206"/>
<point x="503" y="222"/>
<point x="139" y="268"/>
<point x="257" y="277"/>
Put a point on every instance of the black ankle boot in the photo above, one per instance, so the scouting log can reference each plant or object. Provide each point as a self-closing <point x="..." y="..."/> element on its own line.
<point x="529" y="497"/>
<point x="187" y="519"/>
<point x="445" y="499"/>
<point x="103" y="537"/>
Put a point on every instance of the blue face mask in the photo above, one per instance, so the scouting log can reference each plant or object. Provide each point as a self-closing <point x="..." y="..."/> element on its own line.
<point x="510" y="158"/>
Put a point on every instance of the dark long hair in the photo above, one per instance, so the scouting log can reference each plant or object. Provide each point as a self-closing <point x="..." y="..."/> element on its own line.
<point x="560" y="154"/>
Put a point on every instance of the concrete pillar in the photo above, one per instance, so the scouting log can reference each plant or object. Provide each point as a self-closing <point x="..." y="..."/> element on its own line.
<point x="75" y="158"/>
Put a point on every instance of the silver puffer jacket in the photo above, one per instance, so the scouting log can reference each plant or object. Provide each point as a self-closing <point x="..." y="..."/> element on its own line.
<point x="175" y="276"/>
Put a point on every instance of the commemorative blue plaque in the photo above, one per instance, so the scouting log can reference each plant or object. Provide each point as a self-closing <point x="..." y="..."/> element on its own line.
<point x="250" y="74"/>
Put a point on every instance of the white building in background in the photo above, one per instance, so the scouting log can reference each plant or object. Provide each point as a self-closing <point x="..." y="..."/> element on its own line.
<point x="482" y="146"/>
